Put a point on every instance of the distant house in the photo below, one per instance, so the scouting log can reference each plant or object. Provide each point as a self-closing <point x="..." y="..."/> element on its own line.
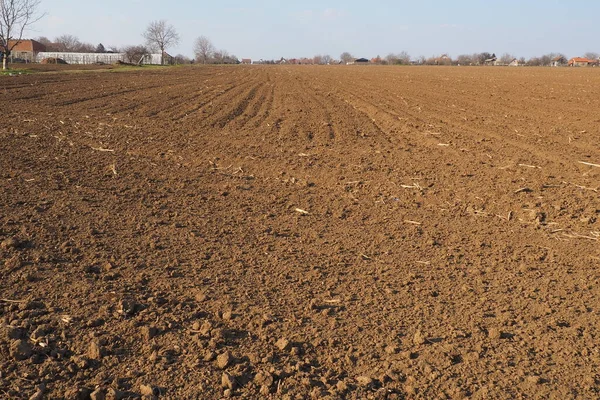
<point x="558" y="61"/>
<point x="582" y="62"/>
<point x="514" y="63"/>
<point x="493" y="60"/>
<point x="154" y="59"/>
<point x="25" y="50"/>
<point x="444" y="59"/>
<point x="246" y="61"/>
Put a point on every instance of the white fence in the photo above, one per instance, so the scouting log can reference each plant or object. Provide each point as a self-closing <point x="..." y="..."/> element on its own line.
<point x="83" y="58"/>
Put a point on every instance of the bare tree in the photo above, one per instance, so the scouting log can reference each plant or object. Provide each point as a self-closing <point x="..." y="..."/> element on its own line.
<point x="134" y="54"/>
<point x="15" y="17"/>
<point x="404" y="58"/>
<point x="479" y="58"/>
<point x="326" y="59"/>
<point x="182" y="59"/>
<point x="346" y="57"/>
<point x="203" y="49"/>
<point x="43" y="40"/>
<point x="590" y="55"/>
<point x="391" y="59"/>
<point x="85" y="48"/>
<point x="464" y="59"/>
<point x="159" y="34"/>
<point x="546" y="59"/>
<point x="68" y="43"/>
<point x="318" y="59"/>
<point x="506" y="58"/>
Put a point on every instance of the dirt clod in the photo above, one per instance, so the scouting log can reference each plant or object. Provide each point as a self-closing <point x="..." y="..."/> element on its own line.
<point x="364" y="380"/>
<point x="98" y="394"/>
<point x="20" y="349"/>
<point x="9" y="243"/>
<point x="224" y="360"/>
<point x="95" y="350"/>
<point x="264" y="379"/>
<point x="149" y="332"/>
<point x="494" y="333"/>
<point x="283" y="344"/>
<point x="228" y="381"/>
<point x="419" y="338"/>
<point x="149" y="390"/>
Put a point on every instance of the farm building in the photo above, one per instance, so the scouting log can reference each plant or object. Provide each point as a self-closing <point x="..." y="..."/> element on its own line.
<point x="246" y="61"/>
<point x="82" y="58"/>
<point x="558" y="61"/>
<point x="582" y="62"/>
<point x="444" y="59"/>
<point x="493" y="60"/>
<point x="514" y="63"/>
<point x="25" y="50"/>
<point x="154" y="59"/>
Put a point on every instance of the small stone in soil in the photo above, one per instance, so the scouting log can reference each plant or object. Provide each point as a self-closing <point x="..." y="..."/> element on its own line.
<point x="419" y="338"/>
<point x="209" y="355"/>
<point x="494" y="333"/>
<point x="364" y="380"/>
<point x="227" y="316"/>
<point x="265" y="390"/>
<point x="283" y="344"/>
<point x="148" y="390"/>
<point x="223" y="360"/>
<point x="206" y="328"/>
<point x="264" y="379"/>
<point x="127" y="307"/>
<point x="148" y="332"/>
<point x="228" y="381"/>
<point x="95" y="350"/>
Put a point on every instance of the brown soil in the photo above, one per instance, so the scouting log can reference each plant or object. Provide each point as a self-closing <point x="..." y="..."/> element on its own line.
<point x="53" y="67"/>
<point x="298" y="232"/>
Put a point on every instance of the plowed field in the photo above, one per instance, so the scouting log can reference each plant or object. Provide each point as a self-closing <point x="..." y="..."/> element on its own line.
<point x="301" y="232"/>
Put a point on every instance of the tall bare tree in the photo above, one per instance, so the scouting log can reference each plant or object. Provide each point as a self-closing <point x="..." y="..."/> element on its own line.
<point x="203" y="49"/>
<point x="346" y="57"/>
<point x="134" y="54"/>
<point x="506" y="58"/>
<point x="161" y="35"/>
<point x="15" y="17"/>
<point x="464" y="59"/>
<point x="68" y="43"/>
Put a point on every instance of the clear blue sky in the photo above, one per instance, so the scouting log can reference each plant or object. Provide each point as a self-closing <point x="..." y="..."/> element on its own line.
<point x="285" y="28"/>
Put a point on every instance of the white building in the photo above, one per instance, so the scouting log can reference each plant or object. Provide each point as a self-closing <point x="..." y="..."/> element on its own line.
<point x="82" y="58"/>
